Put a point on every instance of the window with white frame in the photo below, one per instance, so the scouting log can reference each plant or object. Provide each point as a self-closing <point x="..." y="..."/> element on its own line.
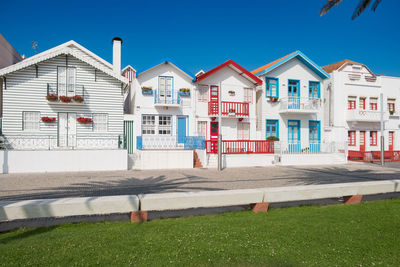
<point x="66" y="77"/>
<point x="148" y="124"/>
<point x="248" y="95"/>
<point x="100" y="122"/>
<point x="203" y="93"/>
<point x="202" y="128"/>
<point x="373" y="103"/>
<point x="243" y="131"/>
<point x="391" y="105"/>
<point x="31" y="120"/>
<point x="351" y="102"/>
<point x="164" y="125"/>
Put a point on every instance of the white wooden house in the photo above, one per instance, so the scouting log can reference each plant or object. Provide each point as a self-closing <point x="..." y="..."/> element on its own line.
<point x="65" y="98"/>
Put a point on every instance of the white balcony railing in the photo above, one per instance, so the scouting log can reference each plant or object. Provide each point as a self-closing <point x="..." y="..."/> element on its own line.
<point x="171" y="99"/>
<point x="299" y="105"/>
<point x="365" y="115"/>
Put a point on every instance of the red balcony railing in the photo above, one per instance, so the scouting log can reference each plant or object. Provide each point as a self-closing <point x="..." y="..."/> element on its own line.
<point x="229" y="108"/>
<point x="241" y="146"/>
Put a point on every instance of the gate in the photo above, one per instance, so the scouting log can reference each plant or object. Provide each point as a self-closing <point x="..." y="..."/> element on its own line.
<point x="128" y="136"/>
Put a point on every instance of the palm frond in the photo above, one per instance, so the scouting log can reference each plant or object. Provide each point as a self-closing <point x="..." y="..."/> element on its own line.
<point x="328" y="6"/>
<point x="375" y="5"/>
<point x="360" y="8"/>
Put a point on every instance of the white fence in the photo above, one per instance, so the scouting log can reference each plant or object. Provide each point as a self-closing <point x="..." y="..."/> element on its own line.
<point x="299" y="147"/>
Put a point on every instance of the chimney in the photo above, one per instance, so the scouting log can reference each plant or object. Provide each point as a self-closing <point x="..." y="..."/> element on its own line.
<point x="117" y="42"/>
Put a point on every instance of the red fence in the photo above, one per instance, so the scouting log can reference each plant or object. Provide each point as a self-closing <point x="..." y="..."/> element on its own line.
<point x="229" y="108"/>
<point x="371" y="156"/>
<point x="241" y="146"/>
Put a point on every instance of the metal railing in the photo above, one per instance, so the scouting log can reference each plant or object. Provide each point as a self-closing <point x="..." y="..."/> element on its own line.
<point x="300" y="104"/>
<point x="241" y="146"/>
<point x="169" y="142"/>
<point x="173" y="99"/>
<point x="53" y="142"/>
<point x="61" y="89"/>
<point x="299" y="147"/>
<point x="228" y="108"/>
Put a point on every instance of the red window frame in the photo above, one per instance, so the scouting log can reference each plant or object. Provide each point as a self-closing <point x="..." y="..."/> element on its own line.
<point x="373" y="138"/>
<point x="351" y="104"/>
<point x="391" y="107"/>
<point x="362" y="103"/>
<point x="351" y="138"/>
<point x="373" y="106"/>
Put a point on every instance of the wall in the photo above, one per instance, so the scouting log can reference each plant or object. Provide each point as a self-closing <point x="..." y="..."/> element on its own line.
<point x="312" y="159"/>
<point x="241" y="160"/>
<point x="8" y="55"/>
<point x="162" y="159"/>
<point x="21" y="161"/>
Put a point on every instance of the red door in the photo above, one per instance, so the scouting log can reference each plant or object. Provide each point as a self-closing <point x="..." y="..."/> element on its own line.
<point x="214" y="93"/>
<point x="391" y="141"/>
<point x="362" y="141"/>
<point x="214" y="137"/>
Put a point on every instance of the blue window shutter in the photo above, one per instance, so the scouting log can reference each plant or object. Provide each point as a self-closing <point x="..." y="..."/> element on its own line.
<point x="277" y="87"/>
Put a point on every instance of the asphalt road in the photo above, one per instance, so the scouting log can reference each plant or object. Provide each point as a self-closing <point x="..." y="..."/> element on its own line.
<point x="80" y="184"/>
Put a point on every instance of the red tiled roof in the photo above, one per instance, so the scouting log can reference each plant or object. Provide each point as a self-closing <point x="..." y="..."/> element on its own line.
<point x="335" y="66"/>
<point x="269" y="64"/>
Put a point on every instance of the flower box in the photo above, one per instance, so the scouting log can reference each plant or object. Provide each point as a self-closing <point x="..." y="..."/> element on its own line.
<point x="391" y="112"/>
<point x="78" y="98"/>
<point x="84" y="120"/>
<point x="147" y="90"/>
<point x="273" y="99"/>
<point x="232" y="112"/>
<point x="48" y="119"/>
<point x="52" y="97"/>
<point x="184" y="93"/>
<point x="65" y="99"/>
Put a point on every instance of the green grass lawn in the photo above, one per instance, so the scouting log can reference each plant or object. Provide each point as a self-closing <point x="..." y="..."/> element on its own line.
<point x="366" y="234"/>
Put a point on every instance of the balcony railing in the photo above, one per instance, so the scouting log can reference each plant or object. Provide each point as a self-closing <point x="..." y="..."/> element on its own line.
<point x="365" y="115"/>
<point x="300" y="105"/>
<point x="234" y="109"/>
<point x="169" y="142"/>
<point x="167" y="100"/>
<point x="60" y="92"/>
<point x="241" y="146"/>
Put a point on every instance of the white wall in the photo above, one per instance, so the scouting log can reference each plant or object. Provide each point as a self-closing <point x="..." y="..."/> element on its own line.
<point x="20" y="161"/>
<point x="162" y="159"/>
<point x="240" y="160"/>
<point x="312" y="159"/>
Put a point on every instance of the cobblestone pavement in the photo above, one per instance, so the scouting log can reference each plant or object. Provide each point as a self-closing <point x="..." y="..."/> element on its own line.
<point x="79" y="184"/>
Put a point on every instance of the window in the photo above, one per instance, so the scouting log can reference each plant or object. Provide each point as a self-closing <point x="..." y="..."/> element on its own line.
<point x="351" y="102"/>
<point x="314" y="90"/>
<point x="243" y="131"/>
<point x="362" y="103"/>
<point x="351" y="138"/>
<point x="248" y="95"/>
<point x="164" y="125"/>
<point x="202" y="128"/>
<point x="165" y="86"/>
<point x="373" y="138"/>
<point x="391" y="105"/>
<point x="148" y="124"/>
<point x="272" y="87"/>
<point x="272" y="128"/>
<point x="31" y="120"/>
<point x="373" y="103"/>
<point x="203" y="93"/>
<point x="153" y="124"/>
<point x="100" y="122"/>
<point x="66" y="77"/>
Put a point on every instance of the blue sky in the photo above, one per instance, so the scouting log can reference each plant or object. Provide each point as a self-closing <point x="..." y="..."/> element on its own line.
<point x="203" y="34"/>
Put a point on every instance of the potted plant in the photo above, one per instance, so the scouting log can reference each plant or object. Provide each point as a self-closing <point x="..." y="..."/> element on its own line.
<point x="65" y="99"/>
<point x="232" y="111"/>
<point x="391" y="112"/>
<point x="52" y="97"/>
<point x="184" y="92"/>
<point x="48" y="119"/>
<point x="273" y="99"/>
<point x="78" y="98"/>
<point x="84" y="120"/>
<point x="272" y="138"/>
<point x="147" y="90"/>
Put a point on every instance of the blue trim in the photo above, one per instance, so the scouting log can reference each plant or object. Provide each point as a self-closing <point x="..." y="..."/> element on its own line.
<point x="165" y="88"/>
<point x="182" y="135"/>
<point x="277" y="86"/>
<point x="139" y="142"/>
<point x="318" y="126"/>
<point x="315" y="144"/>
<point x="276" y="125"/>
<point x="294" y="147"/>
<point x="166" y="62"/>
<point x="298" y="87"/>
<point x="304" y="59"/>
<point x="318" y="88"/>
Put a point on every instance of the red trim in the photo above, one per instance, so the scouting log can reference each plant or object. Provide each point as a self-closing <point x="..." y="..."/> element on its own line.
<point x="252" y="77"/>
<point x="241" y="146"/>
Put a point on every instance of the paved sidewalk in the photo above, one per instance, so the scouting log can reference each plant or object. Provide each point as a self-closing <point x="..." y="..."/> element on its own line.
<point x="78" y="184"/>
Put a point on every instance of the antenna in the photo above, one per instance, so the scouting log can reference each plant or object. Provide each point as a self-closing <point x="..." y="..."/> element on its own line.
<point x="35" y="46"/>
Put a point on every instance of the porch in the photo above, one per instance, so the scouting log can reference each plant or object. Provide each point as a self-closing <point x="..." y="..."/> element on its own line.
<point x="234" y="109"/>
<point x="241" y="147"/>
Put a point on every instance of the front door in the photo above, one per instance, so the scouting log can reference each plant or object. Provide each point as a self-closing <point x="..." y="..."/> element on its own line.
<point x="165" y="90"/>
<point x="314" y="136"/>
<point x="362" y="141"/>
<point x="182" y="129"/>
<point x="293" y="94"/>
<point x="294" y="136"/>
<point x="214" y="137"/>
<point x="391" y="141"/>
<point x="66" y="129"/>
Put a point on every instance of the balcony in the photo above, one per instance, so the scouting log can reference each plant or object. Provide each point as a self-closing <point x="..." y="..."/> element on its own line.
<point x="166" y="99"/>
<point x="65" y="93"/>
<point x="241" y="146"/>
<point x="357" y="115"/>
<point x="229" y="109"/>
<point x="300" y="105"/>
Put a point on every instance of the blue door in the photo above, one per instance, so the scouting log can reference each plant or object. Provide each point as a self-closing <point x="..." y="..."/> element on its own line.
<point x="315" y="136"/>
<point x="294" y="94"/>
<point x="294" y="136"/>
<point x="181" y="129"/>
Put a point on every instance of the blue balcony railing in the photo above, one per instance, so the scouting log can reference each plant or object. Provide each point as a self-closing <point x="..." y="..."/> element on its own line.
<point x="165" y="99"/>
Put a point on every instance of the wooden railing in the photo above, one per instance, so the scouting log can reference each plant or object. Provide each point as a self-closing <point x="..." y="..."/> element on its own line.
<point x="229" y="108"/>
<point x="241" y="146"/>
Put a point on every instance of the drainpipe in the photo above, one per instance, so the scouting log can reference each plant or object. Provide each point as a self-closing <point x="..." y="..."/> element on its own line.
<point x="219" y="130"/>
<point x="382" y="137"/>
